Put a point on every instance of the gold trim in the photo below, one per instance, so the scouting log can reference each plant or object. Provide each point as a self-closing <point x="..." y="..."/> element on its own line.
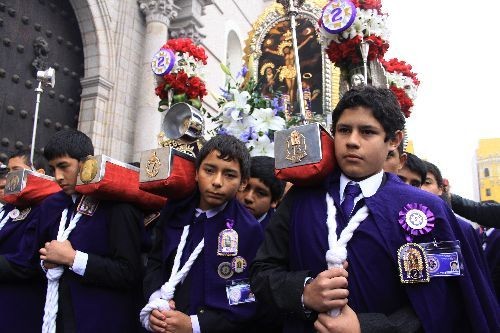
<point x="153" y="165"/>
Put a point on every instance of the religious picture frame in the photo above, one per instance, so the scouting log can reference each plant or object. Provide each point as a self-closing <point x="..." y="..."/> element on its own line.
<point x="270" y="58"/>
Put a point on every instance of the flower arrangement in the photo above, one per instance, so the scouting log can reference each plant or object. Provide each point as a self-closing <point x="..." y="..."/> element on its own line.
<point x="182" y="81"/>
<point x="248" y="115"/>
<point x="403" y="83"/>
<point x="369" y="25"/>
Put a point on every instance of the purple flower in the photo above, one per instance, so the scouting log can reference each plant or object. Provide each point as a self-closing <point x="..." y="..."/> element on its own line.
<point x="249" y="134"/>
<point x="242" y="72"/>
<point x="277" y="105"/>
<point x="226" y="94"/>
<point x="222" y="131"/>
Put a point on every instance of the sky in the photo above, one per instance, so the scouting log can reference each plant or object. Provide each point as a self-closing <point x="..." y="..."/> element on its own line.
<point x="451" y="46"/>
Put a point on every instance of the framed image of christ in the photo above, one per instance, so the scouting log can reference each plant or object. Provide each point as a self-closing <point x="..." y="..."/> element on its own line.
<point x="270" y="56"/>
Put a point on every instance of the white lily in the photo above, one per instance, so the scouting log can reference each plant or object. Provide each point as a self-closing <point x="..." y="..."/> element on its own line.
<point x="264" y="120"/>
<point x="261" y="147"/>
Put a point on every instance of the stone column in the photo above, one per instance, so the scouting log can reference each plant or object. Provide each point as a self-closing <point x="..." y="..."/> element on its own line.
<point x="158" y="14"/>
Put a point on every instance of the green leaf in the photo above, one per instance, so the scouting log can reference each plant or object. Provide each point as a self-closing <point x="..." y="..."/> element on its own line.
<point x="225" y="69"/>
<point x="179" y="98"/>
<point x="195" y="102"/>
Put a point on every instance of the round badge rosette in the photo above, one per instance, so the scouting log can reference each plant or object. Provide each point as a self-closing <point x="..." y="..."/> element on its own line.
<point x="163" y="62"/>
<point x="337" y="16"/>
<point x="416" y="220"/>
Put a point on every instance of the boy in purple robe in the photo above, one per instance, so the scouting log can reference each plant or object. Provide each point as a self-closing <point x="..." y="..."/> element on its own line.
<point x="197" y="274"/>
<point x="21" y="284"/>
<point x="491" y="247"/>
<point x="91" y="250"/>
<point x="389" y="222"/>
<point x="263" y="191"/>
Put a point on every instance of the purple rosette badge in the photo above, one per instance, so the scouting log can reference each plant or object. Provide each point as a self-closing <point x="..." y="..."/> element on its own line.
<point x="163" y="62"/>
<point x="337" y="16"/>
<point x="416" y="220"/>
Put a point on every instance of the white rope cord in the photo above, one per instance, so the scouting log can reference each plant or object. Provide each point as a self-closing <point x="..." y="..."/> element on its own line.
<point x="337" y="252"/>
<point x="5" y="219"/>
<point x="168" y="289"/>
<point x="53" y="276"/>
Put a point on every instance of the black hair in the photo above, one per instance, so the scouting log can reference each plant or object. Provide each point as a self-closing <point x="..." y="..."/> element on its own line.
<point x="383" y="103"/>
<point x="415" y="164"/>
<point x="69" y="142"/>
<point x="39" y="161"/>
<point x="230" y="148"/>
<point x="262" y="167"/>
<point x="3" y="171"/>
<point x="432" y="168"/>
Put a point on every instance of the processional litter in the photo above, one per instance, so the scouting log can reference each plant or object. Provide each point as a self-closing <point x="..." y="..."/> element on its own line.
<point x="301" y="56"/>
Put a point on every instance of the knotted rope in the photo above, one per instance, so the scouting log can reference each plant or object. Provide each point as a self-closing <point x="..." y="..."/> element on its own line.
<point x="176" y="276"/>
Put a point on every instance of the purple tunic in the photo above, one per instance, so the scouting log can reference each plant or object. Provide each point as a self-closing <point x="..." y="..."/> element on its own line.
<point x="26" y="292"/>
<point x="492" y="253"/>
<point x="98" y="304"/>
<point x="206" y="288"/>
<point x="466" y="302"/>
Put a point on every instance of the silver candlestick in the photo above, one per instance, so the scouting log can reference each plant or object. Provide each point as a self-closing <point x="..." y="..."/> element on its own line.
<point x="292" y="7"/>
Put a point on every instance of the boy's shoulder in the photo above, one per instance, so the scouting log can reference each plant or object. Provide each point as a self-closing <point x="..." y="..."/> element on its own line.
<point x="55" y="201"/>
<point x="393" y="194"/>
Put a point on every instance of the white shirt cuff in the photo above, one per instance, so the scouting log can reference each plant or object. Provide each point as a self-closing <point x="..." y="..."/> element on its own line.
<point x="80" y="263"/>
<point x="195" y="324"/>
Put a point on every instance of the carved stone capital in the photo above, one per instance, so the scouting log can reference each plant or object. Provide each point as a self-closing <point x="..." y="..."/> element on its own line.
<point x="158" y="10"/>
<point x="187" y="31"/>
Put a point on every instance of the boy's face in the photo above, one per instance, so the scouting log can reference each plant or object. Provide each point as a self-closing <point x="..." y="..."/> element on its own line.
<point x="410" y="177"/>
<point x="256" y="197"/>
<point x="17" y="163"/>
<point x="218" y="180"/>
<point x="20" y="163"/>
<point x="360" y="148"/>
<point x="65" y="171"/>
<point x="394" y="162"/>
<point x="431" y="184"/>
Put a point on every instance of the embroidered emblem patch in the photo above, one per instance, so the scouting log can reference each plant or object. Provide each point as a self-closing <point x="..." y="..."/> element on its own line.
<point x="227" y="243"/>
<point x="412" y="262"/>
<point x="150" y="218"/>
<point x="14" y="214"/>
<point x="238" y="264"/>
<point x="296" y="148"/>
<point x="87" y="205"/>
<point x="224" y="270"/>
<point x="22" y="214"/>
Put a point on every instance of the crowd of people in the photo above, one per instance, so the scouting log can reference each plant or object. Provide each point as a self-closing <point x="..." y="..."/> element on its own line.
<point x="361" y="251"/>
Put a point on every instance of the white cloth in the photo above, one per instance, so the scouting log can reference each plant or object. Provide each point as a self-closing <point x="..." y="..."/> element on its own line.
<point x="54" y="274"/>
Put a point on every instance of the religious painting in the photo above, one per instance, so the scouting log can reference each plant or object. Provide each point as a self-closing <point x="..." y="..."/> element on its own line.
<point x="270" y="56"/>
